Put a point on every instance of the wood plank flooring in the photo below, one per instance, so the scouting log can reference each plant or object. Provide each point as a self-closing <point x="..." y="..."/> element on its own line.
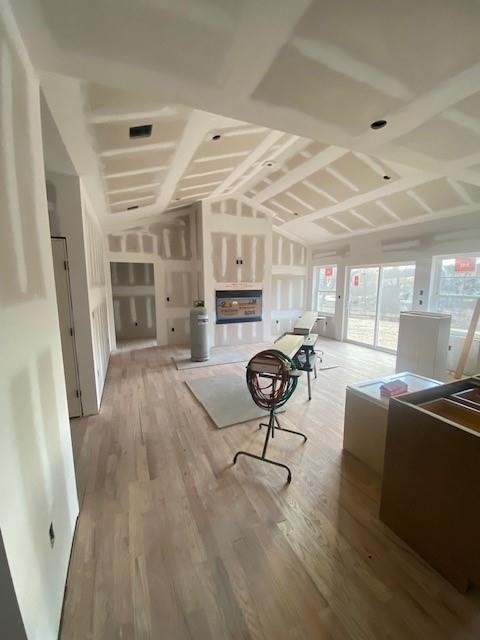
<point x="175" y="543"/>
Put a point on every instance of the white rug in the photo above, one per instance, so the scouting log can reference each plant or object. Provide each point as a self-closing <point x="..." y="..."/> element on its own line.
<point x="226" y="399"/>
<point x="219" y="355"/>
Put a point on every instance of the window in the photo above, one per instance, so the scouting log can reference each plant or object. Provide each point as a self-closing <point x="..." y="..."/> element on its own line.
<point x="325" y="293"/>
<point x="456" y="287"/>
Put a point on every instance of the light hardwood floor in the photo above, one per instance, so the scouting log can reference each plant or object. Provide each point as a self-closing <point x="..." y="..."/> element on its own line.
<point x="173" y="542"/>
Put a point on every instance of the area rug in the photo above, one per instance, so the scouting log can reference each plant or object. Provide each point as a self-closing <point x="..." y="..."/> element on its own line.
<point x="217" y="356"/>
<point x="226" y="399"/>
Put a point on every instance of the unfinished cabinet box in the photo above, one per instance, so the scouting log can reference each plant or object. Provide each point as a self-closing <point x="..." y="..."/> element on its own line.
<point x="431" y="480"/>
<point x="366" y="414"/>
<point x="423" y="344"/>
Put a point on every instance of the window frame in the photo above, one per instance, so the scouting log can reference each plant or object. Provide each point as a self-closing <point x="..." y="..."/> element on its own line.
<point x="435" y="294"/>
<point x="316" y="290"/>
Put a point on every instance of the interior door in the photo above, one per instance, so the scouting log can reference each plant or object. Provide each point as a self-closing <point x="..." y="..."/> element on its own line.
<point x="65" y="317"/>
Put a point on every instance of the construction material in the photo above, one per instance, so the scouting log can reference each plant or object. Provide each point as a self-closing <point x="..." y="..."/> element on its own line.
<point x="226" y="399"/>
<point x="431" y="483"/>
<point x="468" y="341"/>
<point x="393" y="388"/>
<point x="199" y="343"/>
<point x="366" y="416"/>
<point x="218" y="355"/>
<point x="304" y="324"/>
<point x="271" y="380"/>
<point x="288" y="344"/>
<point x="423" y="340"/>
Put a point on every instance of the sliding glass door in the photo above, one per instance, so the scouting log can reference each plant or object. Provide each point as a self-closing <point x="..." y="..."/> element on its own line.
<point x="376" y="296"/>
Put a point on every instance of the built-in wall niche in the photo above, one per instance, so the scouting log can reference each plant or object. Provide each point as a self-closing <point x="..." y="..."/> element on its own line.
<point x="241" y="305"/>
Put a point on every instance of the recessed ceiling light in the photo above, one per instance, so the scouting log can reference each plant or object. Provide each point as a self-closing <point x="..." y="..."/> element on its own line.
<point x="141" y="131"/>
<point x="217" y="136"/>
<point x="378" y="124"/>
<point x="386" y="177"/>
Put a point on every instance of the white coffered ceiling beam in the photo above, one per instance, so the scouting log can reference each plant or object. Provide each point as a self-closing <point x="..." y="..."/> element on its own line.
<point x="198" y="125"/>
<point x="341" y="178"/>
<point x="135" y="172"/>
<point x="103" y="117"/>
<point x="119" y="221"/>
<point x="410" y="116"/>
<point x="120" y="151"/>
<point x="196" y="187"/>
<point x="340" y="61"/>
<point x="205" y="174"/>
<point x="403" y="184"/>
<point x="438" y="215"/>
<point x="322" y="159"/>
<point x="255" y="25"/>
<point x="292" y="145"/>
<point x="131" y="201"/>
<point x="142" y="187"/>
<point x="257" y="153"/>
<point x="460" y="190"/>
<point x="421" y="203"/>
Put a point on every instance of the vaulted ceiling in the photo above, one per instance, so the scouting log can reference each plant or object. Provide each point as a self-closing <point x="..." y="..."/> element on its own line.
<point x="279" y="100"/>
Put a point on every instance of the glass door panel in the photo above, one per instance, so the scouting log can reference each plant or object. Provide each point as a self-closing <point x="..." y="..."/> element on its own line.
<point x="395" y="296"/>
<point x="376" y="297"/>
<point x="362" y="304"/>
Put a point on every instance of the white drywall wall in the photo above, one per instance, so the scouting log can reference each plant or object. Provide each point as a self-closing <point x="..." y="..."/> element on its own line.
<point x="225" y="223"/>
<point x="235" y="228"/>
<point x="37" y="480"/>
<point x="95" y="259"/>
<point x="65" y="204"/>
<point x="169" y="242"/>
<point x="72" y="216"/>
<point x="434" y="238"/>
<point x="289" y="282"/>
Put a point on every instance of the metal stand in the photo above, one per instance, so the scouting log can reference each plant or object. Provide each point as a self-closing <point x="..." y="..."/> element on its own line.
<point x="273" y="420"/>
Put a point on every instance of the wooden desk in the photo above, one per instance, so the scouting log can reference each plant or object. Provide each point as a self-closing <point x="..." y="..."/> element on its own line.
<point x="366" y="416"/>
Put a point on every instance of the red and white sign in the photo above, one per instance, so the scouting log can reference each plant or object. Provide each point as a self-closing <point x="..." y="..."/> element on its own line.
<point x="356" y="280"/>
<point x="328" y="272"/>
<point x="465" y="265"/>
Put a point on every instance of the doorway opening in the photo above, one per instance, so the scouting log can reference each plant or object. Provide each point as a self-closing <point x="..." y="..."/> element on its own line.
<point x="133" y="291"/>
<point x="376" y="296"/>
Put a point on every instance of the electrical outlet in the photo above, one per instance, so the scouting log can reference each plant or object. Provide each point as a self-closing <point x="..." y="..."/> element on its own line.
<point x="51" y="535"/>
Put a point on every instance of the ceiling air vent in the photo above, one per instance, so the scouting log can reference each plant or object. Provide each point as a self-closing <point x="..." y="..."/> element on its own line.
<point x="141" y="131"/>
<point x="134" y="206"/>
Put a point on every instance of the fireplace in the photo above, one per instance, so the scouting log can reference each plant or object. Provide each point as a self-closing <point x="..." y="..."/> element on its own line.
<point x="243" y="305"/>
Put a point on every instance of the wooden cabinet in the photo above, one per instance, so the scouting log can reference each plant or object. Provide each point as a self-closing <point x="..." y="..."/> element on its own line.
<point x="431" y="480"/>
